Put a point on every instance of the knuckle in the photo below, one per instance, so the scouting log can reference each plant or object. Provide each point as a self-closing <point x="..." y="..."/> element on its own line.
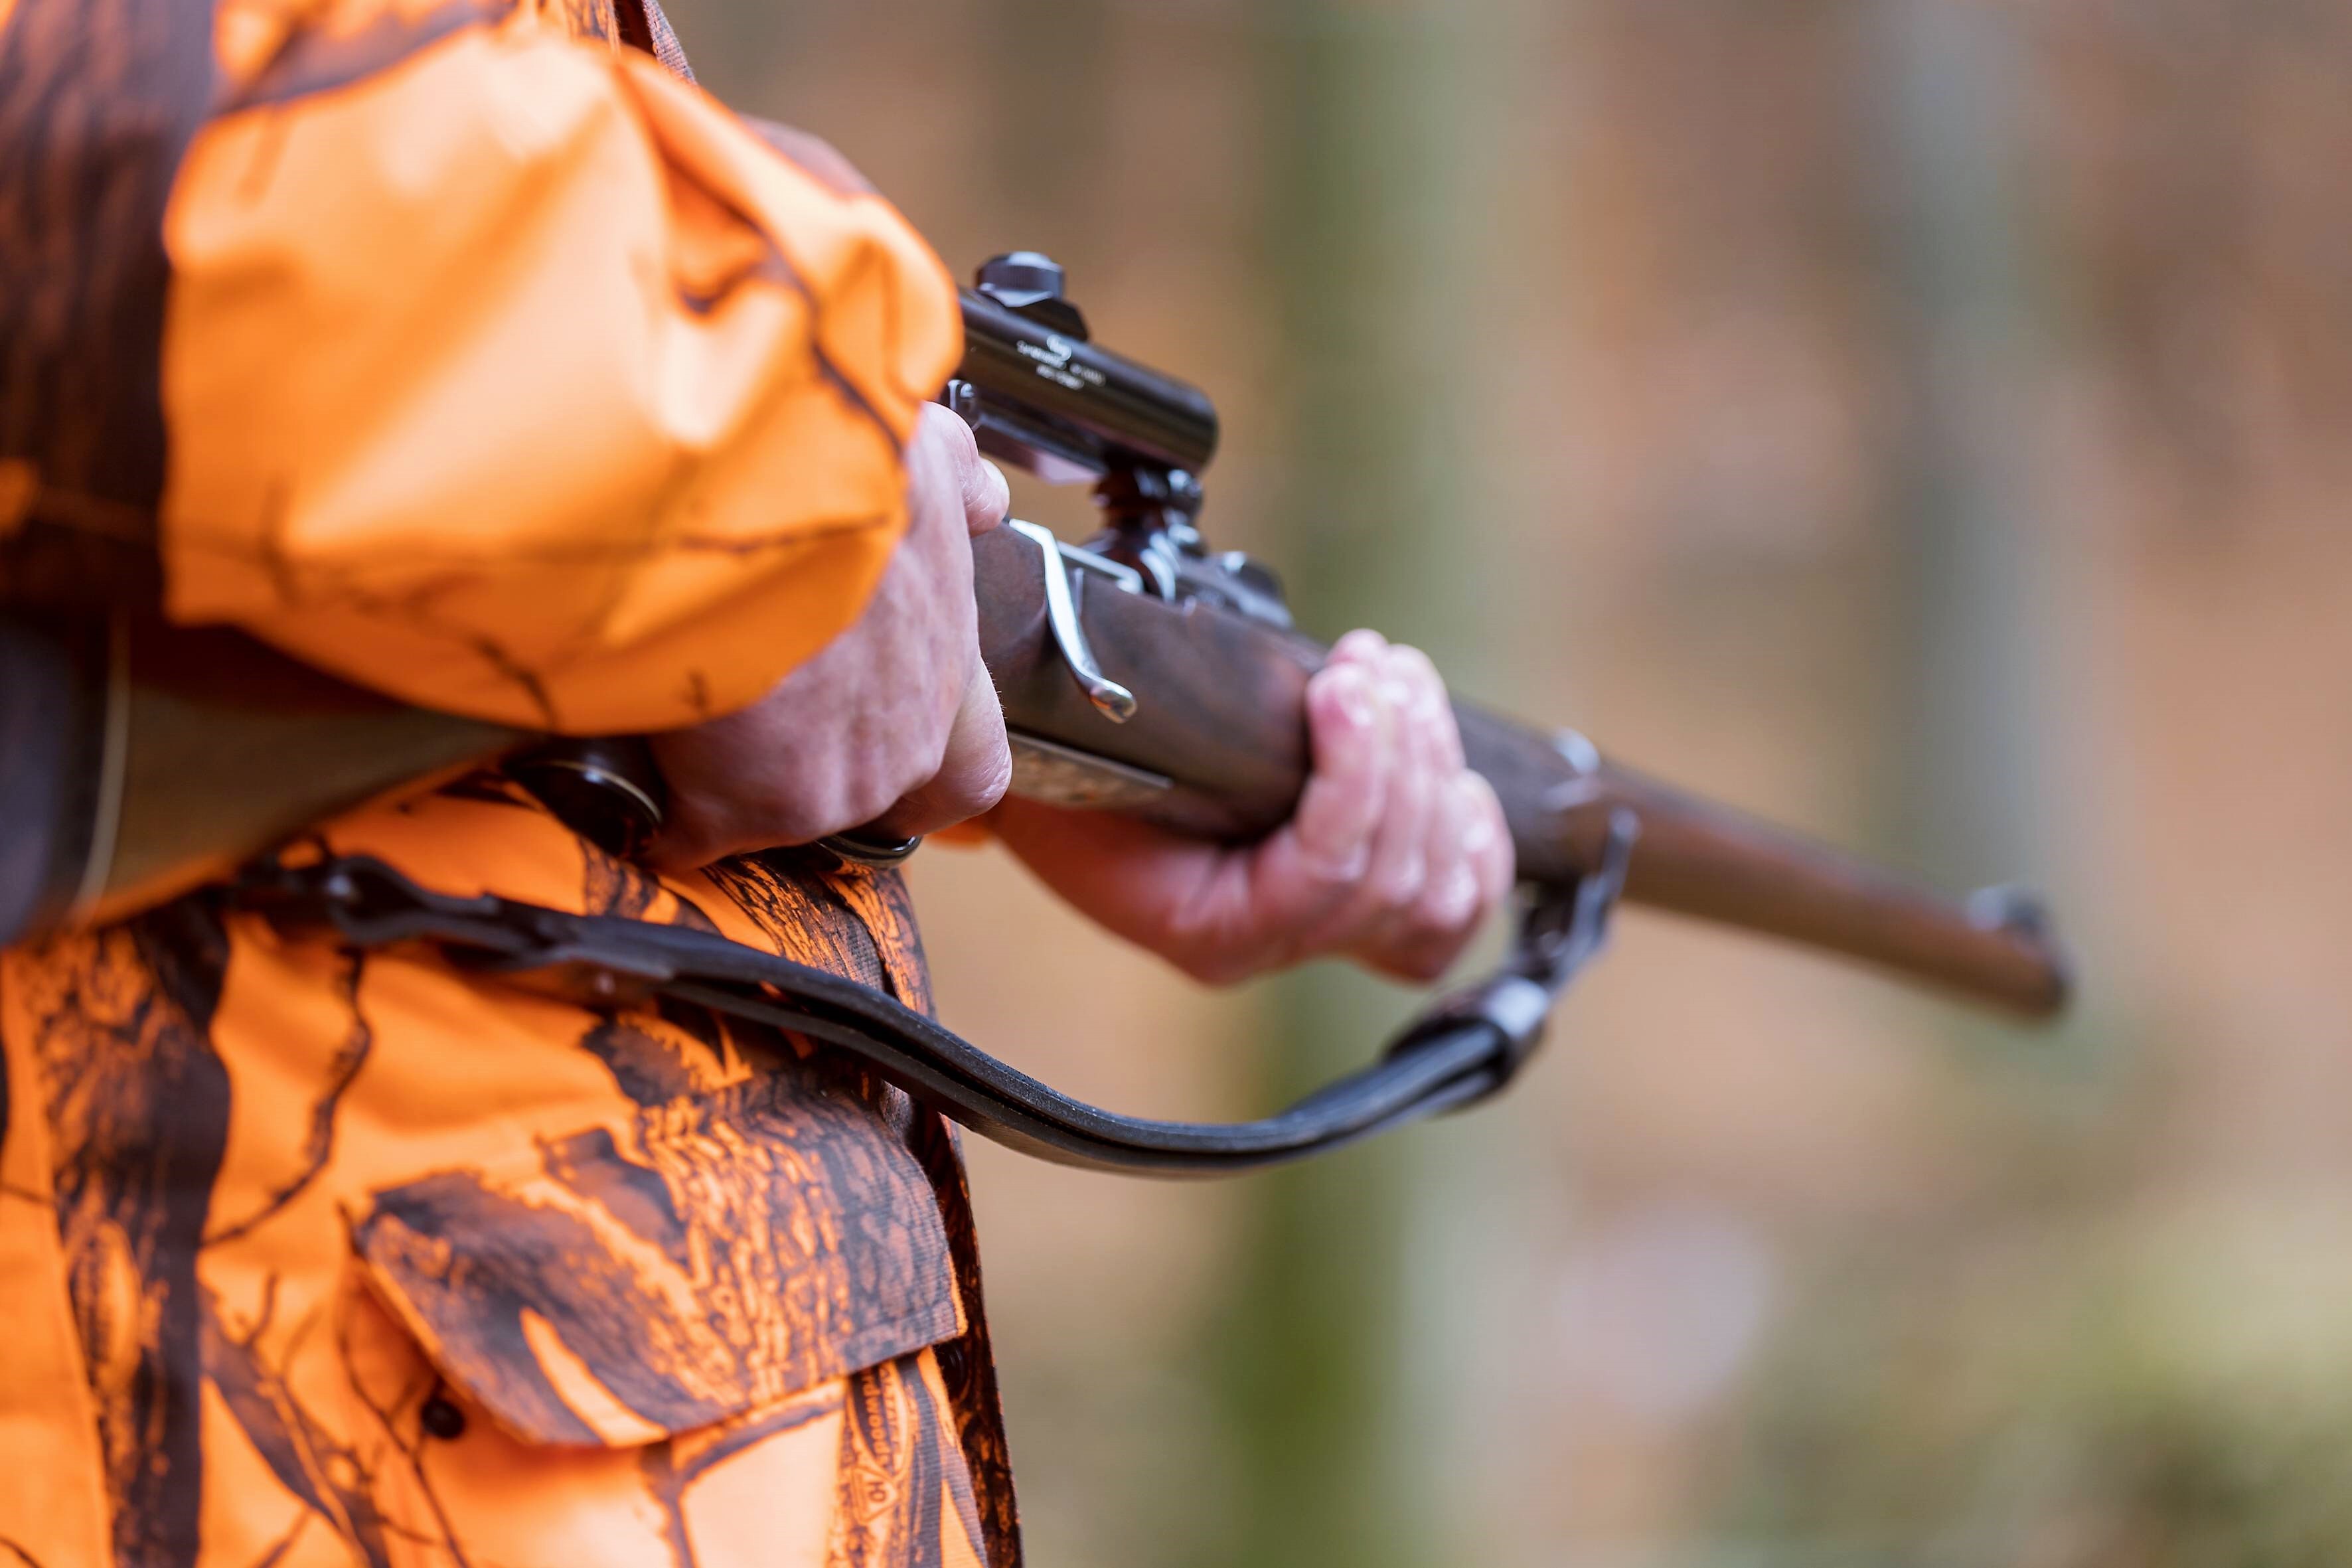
<point x="1457" y="912"/>
<point x="1397" y="890"/>
<point x="1484" y="800"/>
<point x="990" y="500"/>
<point x="1417" y="664"/>
<point x="1448" y="728"/>
<point x="864" y="800"/>
<point x="1335" y="875"/>
<point x="896" y="774"/>
<point x="1337" y="859"/>
<point x="993" y="780"/>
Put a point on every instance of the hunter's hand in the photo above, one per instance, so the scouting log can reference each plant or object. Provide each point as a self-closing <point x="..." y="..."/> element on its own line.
<point x="1397" y="854"/>
<point x="894" y="723"/>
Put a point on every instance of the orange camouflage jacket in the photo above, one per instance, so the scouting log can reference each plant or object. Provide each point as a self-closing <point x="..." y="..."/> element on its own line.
<point x="466" y="349"/>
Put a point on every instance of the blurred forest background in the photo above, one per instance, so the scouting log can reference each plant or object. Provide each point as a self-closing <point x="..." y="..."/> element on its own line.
<point x="1926" y="421"/>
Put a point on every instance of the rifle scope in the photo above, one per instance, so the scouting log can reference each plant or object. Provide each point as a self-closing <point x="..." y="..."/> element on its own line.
<point x="1038" y="393"/>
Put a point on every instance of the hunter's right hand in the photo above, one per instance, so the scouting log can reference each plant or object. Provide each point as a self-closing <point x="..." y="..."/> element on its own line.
<point x="893" y="724"/>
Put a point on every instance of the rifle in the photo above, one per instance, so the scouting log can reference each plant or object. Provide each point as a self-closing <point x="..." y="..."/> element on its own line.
<point x="1168" y="681"/>
<point x="1140" y="672"/>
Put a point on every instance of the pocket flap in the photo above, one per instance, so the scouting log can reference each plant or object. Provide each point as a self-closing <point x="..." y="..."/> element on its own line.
<point x="694" y="1261"/>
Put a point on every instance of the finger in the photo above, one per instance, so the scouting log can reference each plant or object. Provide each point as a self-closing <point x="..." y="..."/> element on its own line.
<point x="1458" y="899"/>
<point x="1348" y="780"/>
<point x="713" y="809"/>
<point x="982" y="484"/>
<point x="987" y="498"/>
<point x="1449" y="895"/>
<point x="1314" y="865"/>
<point x="1362" y="647"/>
<point x="1442" y="903"/>
<point x="974" y="770"/>
<point x="1175" y="896"/>
<point x="1489" y="844"/>
<point x="1341" y="803"/>
<point x="1443" y="731"/>
<point x="1449" y="889"/>
<point x="1232" y="915"/>
<point x="1393" y="873"/>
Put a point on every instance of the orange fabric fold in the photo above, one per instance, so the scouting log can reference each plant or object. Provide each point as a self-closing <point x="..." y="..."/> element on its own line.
<point x="521" y="379"/>
<point x="508" y="374"/>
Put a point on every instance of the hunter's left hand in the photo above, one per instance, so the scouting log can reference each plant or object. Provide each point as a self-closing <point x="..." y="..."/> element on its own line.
<point x="1396" y="856"/>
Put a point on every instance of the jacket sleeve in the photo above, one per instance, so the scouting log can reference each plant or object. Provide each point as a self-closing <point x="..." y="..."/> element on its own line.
<point x="513" y="376"/>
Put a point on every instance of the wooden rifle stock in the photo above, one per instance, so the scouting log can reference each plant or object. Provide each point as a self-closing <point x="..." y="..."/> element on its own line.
<point x="1217" y="746"/>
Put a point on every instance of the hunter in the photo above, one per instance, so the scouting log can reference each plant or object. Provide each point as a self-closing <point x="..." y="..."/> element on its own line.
<point x="470" y="352"/>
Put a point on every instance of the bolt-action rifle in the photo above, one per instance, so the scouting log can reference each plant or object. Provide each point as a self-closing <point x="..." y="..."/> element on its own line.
<point x="1140" y="672"/>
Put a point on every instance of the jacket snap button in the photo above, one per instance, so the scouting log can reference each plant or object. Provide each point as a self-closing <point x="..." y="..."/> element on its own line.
<point x="441" y="1419"/>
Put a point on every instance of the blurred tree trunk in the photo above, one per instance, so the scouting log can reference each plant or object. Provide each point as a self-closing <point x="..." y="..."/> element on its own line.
<point x="1373" y="274"/>
<point x="1950" y="83"/>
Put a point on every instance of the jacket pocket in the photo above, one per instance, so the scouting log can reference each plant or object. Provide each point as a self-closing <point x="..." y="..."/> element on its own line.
<point x="687" y="1262"/>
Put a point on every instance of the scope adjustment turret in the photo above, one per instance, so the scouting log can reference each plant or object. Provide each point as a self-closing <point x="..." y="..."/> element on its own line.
<point x="1030" y="284"/>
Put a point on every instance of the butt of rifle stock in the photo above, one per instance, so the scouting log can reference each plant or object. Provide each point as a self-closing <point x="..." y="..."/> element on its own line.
<point x="139" y="760"/>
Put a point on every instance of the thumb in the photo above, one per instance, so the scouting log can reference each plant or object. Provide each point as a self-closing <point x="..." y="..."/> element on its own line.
<point x="986" y="496"/>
